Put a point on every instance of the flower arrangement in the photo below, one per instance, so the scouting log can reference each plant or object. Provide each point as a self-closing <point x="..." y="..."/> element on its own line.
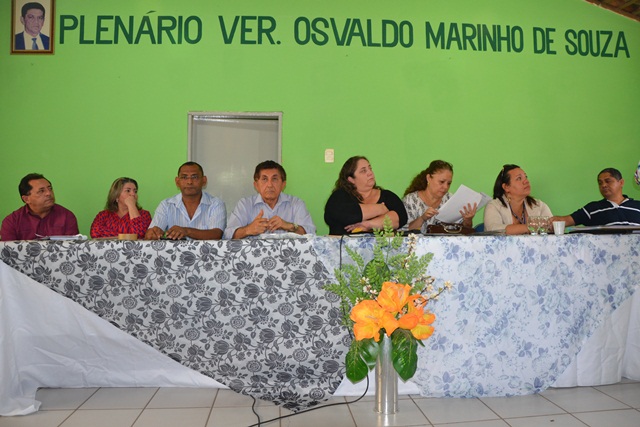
<point x="388" y="295"/>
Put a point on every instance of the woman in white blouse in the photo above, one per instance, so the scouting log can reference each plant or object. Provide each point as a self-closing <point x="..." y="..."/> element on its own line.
<point x="512" y="204"/>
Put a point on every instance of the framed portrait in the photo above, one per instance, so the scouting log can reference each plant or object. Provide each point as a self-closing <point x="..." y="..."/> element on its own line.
<point x="32" y="26"/>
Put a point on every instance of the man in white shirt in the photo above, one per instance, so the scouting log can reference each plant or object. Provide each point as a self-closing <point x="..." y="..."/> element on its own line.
<point x="271" y="210"/>
<point x="32" y="17"/>
<point x="192" y="214"/>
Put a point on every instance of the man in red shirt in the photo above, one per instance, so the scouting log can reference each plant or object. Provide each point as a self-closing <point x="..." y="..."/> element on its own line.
<point x="40" y="216"/>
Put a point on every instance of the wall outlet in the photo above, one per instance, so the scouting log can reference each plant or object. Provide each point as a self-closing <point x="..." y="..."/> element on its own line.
<point x="328" y="155"/>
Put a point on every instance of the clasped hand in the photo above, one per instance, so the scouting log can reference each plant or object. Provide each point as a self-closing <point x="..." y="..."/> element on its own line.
<point x="174" y="233"/>
<point x="261" y="225"/>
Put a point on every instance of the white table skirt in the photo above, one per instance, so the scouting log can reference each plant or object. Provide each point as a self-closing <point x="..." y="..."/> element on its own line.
<point x="47" y="340"/>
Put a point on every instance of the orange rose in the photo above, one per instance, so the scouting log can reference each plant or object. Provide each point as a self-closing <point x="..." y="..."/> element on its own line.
<point x="393" y="297"/>
<point x="423" y="329"/>
<point x="416" y="320"/>
<point x="369" y="318"/>
<point x="409" y="320"/>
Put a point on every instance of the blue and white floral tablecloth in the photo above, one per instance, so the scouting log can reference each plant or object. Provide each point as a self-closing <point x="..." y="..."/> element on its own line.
<point x="521" y="307"/>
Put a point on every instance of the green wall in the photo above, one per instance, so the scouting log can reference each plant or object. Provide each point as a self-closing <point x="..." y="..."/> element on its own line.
<point x="93" y="112"/>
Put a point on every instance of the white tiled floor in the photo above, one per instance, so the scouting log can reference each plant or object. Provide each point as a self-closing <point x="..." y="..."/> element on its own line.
<point x="616" y="405"/>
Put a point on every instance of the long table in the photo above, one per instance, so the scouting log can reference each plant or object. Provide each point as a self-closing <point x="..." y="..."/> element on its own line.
<point x="253" y="316"/>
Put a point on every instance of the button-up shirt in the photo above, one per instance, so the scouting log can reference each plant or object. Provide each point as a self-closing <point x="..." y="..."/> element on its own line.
<point x="211" y="213"/>
<point x="23" y="224"/>
<point x="289" y="208"/>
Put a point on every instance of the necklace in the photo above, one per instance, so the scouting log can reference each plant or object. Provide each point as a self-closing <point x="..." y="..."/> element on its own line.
<point x="425" y="196"/>
<point x="521" y="219"/>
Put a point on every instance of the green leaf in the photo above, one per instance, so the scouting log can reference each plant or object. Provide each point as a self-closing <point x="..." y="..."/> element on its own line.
<point x="404" y="353"/>
<point x="394" y="259"/>
<point x="356" y="367"/>
<point x="355" y="256"/>
<point x="378" y="272"/>
<point x="370" y="350"/>
<point x="360" y="359"/>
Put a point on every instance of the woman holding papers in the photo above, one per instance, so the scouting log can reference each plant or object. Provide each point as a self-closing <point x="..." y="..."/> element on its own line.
<point x="512" y="204"/>
<point x="122" y="214"/>
<point x="428" y="191"/>
<point x="358" y="204"/>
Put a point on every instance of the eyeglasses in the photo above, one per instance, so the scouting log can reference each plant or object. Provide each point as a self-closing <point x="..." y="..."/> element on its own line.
<point x="189" y="177"/>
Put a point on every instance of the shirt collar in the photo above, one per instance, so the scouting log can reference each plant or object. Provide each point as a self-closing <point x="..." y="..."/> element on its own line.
<point x="28" y="210"/>
<point x="28" y="40"/>
<point x="625" y="198"/>
<point x="177" y="199"/>
<point x="282" y="198"/>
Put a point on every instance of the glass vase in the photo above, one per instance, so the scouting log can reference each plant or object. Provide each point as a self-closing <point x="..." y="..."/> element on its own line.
<point x="386" y="379"/>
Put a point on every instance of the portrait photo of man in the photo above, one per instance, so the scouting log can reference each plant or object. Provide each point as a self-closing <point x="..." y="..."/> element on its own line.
<point x="32" y="22"/>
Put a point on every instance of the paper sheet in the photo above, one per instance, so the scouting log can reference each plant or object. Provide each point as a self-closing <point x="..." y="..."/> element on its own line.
<point x="450" y="211"/>
<point x="603" y="229"/>
<point x="72" y="237"/>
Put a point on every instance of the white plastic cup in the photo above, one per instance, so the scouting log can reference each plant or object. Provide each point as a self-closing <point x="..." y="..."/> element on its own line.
<point x="558" y="227"/>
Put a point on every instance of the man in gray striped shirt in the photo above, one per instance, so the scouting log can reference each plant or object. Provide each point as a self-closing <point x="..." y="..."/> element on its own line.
<point x="192" y="214"/>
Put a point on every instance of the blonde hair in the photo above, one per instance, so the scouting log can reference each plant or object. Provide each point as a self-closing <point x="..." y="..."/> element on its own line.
<point x="116" y="190"/>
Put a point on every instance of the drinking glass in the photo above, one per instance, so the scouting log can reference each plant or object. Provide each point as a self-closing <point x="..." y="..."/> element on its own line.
<point x="558" y="227"/>
<point x="543" y="225"/>
<point x="532" y="225"/>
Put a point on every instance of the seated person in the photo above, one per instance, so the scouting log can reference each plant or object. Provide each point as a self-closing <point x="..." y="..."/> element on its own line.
<point x="512" y="204"/>
<point x="40" y="216"/>
<point x="271" y="210"/>
<point x="357" y="204"/>
<point x="614" y="209"/>
<point x="192" y="214"/>
<point x="122" y="213"/>
<point x="428" y="191"/>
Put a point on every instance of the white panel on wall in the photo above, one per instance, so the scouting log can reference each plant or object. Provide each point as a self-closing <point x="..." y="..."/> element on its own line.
<point x="229" y="146"/>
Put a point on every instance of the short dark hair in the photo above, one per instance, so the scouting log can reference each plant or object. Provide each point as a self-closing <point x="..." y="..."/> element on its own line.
<point x="613" y="171"/>
<point x="269" y="164"/>
<point x="24" y="187"/>
<point x="191" y="164"/>
<point x="32" y="5"/>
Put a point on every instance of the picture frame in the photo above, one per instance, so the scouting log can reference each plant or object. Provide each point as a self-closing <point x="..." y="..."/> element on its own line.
<point x="32" y="33"/>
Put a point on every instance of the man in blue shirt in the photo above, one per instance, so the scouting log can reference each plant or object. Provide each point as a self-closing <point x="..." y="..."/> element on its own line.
<point x="192" y="214"/>
<point x="614" y="209"/>
<point x="269" y="211"/>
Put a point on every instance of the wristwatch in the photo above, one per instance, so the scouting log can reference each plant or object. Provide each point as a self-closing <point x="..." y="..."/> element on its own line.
<point x="295" y="227"/>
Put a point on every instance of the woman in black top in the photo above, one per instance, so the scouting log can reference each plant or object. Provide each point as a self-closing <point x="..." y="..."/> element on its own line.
<point x="357" y="204"/>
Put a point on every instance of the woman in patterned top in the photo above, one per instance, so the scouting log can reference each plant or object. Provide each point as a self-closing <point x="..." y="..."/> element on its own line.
<point x="122" y="214"/>
<point x="428" y="191"/>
